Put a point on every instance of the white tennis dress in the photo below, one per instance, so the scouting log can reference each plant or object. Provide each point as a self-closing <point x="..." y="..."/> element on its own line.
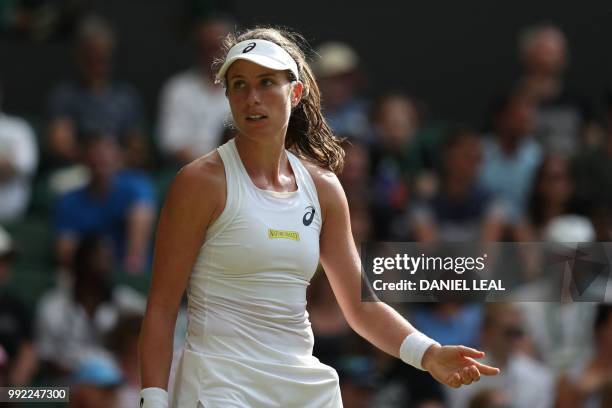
<point x="249" y="341"/>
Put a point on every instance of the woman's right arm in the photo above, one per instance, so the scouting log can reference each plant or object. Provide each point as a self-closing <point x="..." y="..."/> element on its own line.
<point x="196" y="198"/>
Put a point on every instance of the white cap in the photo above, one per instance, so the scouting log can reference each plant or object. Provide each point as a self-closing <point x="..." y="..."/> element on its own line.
<point x="569" y="228"/>
<point x="335" y="58"/>
<point x="261" y="52"/>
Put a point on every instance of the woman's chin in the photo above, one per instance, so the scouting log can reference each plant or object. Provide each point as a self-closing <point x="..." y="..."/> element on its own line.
<point x="257" y="129"/>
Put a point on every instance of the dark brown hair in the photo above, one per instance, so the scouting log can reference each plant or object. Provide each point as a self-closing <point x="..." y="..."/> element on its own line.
<point x="308" y="134"/>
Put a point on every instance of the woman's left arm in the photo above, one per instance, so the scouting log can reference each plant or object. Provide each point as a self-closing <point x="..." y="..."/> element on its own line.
<point x="377" y="322"/>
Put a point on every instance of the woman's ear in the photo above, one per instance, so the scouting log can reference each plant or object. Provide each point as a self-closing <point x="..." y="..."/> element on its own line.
<point x="296" y="93"/>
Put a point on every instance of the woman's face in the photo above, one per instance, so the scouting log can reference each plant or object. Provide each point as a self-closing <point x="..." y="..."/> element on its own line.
<point x="260" y="98"/>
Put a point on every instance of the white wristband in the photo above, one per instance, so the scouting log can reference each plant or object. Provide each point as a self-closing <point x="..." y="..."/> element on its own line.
<point x="414" y="347"/>
<point x="153" y="397"/>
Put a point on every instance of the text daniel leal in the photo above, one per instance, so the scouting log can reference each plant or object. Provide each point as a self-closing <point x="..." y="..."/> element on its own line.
<point x="436" y="284"/>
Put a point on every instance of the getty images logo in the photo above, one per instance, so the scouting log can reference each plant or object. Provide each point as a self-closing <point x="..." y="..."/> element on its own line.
<point x="309" y="216"/>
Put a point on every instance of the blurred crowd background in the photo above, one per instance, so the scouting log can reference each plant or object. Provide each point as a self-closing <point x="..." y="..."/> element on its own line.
<point x="86" y="157"/>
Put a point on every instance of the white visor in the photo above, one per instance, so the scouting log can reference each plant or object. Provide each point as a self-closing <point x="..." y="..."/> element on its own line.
<point x="261" y="52"/>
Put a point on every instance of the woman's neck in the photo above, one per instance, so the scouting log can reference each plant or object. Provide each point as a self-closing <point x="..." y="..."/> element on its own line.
<point x="266" y="162"/>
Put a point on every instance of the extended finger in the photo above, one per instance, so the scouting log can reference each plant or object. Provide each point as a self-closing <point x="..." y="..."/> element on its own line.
<point x="483" y="368"/>
<point x="486" y="369"/>
<point x="470" y="352"/>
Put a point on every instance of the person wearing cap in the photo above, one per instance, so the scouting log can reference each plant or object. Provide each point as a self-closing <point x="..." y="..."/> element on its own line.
<point x="565" y="341"/>
<point x="340" y="79"/>
<point x="95" y="384"/>
<point x="243" y="229"/>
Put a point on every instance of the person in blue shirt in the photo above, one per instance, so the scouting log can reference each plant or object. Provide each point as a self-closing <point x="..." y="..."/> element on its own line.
<point x="511" y="155"/>
<point x="116" y="203"/>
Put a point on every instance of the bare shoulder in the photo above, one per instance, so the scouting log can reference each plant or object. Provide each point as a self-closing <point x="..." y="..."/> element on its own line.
<point x="200" y="183"/>
<point x="323" y="178"/>
<point x="202" y="173"/>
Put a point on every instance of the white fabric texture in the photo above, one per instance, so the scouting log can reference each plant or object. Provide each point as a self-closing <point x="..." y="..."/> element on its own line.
<point x="193" y="113"/>
<point x="249" y="341"/>
<point x="153" y="397"/>
<point x="413" y="349"/>
<point x="67" y="336"/>
<point x="18" y="147"/>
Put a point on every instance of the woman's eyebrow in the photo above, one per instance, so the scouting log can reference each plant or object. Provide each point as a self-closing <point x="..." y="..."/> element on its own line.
<point x="234" y="76"/>
<point x="264" y="74"/>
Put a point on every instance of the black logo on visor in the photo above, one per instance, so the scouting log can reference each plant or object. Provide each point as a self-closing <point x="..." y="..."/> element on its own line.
<point x="309" y="216"/>
<point x="249" y="47"/>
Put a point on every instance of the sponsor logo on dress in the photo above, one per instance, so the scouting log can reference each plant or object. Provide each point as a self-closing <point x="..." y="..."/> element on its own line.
<point x="292" y="235"/>
<point x="309" y="216"/>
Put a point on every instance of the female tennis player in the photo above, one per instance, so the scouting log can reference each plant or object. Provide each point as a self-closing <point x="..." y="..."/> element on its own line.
<point x="243" y="229"/>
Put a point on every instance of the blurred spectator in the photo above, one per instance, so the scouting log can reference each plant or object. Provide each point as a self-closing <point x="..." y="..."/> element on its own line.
<point x="16" y="343"/>
<point x="449" y="322"/>
<point x="72" y="323"/>
<point x="355" y="176"/>
<point x="551" y="195"/>
<point x="400" y="385"/>
<point x="18" y="160"/>
<point x="396" y="160"/>
<point x="562" y="116"/>
<point x="462" y="211"/>
<point x="95" y="384"/>
<point x="355" y="179"/>
<point x="94" y="102"/>
<point x="193" y="109"/>
<point x="116" y="203"/>
<point x="565" y="339"/>
<point x="122" y="341"/>
<point x="511" y="156"/>
<point x="40" y="20"/>
<point x="591" y="170"/>
<point x="490" y="398"/>
<point x="4" y="367"/>
<point x="332" y="333"/>
<point x="526" y="382"/>
<point x="357" y="381"/>
<point x="339" y="77"/>
<point x="361" y="220"/>
<point x="588" y="384"/>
